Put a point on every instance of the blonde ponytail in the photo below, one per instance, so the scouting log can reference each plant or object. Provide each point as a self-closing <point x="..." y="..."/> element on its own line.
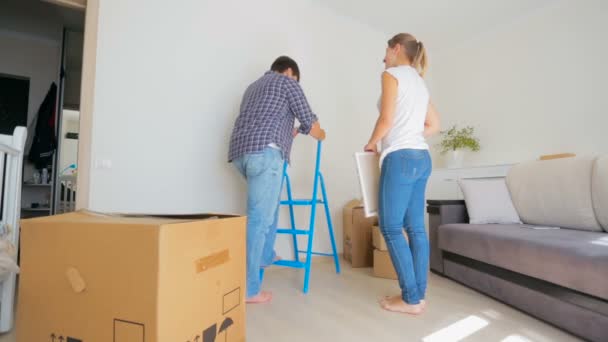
<point x="420" y="62"/>
<point x="414" y="50"/>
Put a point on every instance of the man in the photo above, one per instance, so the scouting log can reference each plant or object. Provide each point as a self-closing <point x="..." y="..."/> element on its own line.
<point x="261" y="141"/>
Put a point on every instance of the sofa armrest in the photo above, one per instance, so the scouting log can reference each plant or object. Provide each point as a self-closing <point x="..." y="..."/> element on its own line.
<point x="442" y="212"/>
<point x="449" y="211"/>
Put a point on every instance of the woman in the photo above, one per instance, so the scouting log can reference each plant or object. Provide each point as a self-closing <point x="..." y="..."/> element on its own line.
<point x="407" y="118"/>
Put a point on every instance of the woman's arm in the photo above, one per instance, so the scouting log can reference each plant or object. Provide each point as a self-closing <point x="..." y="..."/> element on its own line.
<point x="387" y="111"/>
<point x="432" y="123"/>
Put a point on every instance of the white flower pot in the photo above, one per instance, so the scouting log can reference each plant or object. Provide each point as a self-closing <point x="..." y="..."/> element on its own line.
<point x="455" y="159"/>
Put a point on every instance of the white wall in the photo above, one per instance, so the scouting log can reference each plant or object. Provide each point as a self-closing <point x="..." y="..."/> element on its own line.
<point x="533" y="87"/>
<point x="168" y="87"/>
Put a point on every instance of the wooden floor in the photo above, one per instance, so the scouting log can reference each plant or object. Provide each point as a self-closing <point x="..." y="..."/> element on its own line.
<point x="343" y="308"/>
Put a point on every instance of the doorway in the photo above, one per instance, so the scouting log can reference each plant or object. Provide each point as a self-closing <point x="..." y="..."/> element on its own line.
<point x="68" y="121"/>
<point x="42" y="49"/>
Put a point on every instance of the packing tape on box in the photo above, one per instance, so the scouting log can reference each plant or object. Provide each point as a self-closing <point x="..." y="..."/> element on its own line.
<point x="212" y="260"/>
<point x="75" y="279"/>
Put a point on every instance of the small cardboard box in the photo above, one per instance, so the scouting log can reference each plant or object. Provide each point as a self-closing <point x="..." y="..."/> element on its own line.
<point x="378" y="239"/>
<point x="98" y="278"/>
<point x="383" y="266"/>
<point x="358" y="249"/>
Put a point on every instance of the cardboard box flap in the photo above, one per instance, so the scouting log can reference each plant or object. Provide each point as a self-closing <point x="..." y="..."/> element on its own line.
<point x="179" y="218"/>
<point x="353" y="204"/>
<point x="186" y="217"/>
<point x="86" y="216"/>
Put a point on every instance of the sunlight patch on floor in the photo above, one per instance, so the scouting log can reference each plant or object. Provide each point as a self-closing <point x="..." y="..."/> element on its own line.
<point x="459" y="330"/>
<point x="515" y="338"/>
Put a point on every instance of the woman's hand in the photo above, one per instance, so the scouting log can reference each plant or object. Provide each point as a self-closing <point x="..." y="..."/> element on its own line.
<point x="432" y="124"/>
<point x="371" y="148"/>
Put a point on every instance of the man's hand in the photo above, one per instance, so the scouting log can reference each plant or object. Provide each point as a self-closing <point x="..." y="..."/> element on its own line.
<point x="317" y="132"/>
<point x="295" y="131"/>
<point x="371" y="148"/>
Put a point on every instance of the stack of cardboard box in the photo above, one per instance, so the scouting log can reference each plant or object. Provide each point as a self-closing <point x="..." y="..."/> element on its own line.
<point x="364" y="245"/>
<point x="358" y="249"/>
<point x="88" y="277"/>
<point x="383" y="266"/>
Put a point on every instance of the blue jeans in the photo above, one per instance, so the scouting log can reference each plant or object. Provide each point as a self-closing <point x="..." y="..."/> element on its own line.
<point x="401" y="205"/>
<point x="263" y="172"/>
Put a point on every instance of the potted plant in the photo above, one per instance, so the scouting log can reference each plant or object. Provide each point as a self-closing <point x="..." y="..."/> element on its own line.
<point x="455" y="141"/>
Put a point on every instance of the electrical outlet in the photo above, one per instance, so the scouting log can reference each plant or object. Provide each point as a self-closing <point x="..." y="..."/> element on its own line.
<point x="103" y="164"/>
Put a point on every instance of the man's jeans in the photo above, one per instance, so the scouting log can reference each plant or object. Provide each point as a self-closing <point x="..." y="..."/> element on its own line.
<point x="401" y="206"/>
<point x="263" y="172"/>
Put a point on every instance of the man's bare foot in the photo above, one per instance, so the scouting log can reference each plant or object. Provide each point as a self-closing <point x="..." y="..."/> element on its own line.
<point x="275" y="259"/>
<point x="396" y="304"/>
<point x="260" y="298"/>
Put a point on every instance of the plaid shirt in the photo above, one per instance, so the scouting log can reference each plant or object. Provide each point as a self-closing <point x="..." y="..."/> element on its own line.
<point x="267" y="115"/>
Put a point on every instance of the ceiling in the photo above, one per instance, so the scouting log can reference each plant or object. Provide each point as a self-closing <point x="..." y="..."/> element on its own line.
<point x="439" y="23"/>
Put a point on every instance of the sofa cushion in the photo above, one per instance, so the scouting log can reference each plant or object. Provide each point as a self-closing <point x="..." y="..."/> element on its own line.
<point x="599" y="190"/>
<point x="571" y="258"/>
<point x="554" y="193"/>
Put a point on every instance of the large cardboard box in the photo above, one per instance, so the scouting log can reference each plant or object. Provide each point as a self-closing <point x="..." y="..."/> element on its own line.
<point x="378" y="239"/>
<point x="96" y="278"/>
<point x="357" y="229"/>
<point x="383" y="266"/>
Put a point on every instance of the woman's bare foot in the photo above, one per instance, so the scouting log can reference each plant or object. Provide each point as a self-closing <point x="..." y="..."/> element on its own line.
<point x="260" y="298"/>
<point x="422" y="301"/>
<point x="396" y="304"/>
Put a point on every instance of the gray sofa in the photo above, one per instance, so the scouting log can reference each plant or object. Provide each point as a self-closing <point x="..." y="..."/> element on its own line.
<point x="557" y="275"/>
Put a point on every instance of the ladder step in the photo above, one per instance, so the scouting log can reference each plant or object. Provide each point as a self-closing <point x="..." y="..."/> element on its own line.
<point x="290" y="263"/>
<point x="293" y="231"/>
<point x="317" y="253"/>
<point x="301" y="202"/>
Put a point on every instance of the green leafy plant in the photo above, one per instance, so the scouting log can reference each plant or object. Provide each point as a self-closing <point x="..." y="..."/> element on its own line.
<point x="459" y="139"/>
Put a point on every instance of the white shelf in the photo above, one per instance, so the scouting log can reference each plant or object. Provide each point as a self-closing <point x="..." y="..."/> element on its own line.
<point x="45" y="209"/>
<point x="472" y="167"/>
<point x="443" y="182"/>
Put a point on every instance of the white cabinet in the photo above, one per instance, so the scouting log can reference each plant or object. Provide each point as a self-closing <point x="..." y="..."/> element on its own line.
<point x="443" y="182"/>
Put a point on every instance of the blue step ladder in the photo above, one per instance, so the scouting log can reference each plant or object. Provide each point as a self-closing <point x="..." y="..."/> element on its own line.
<point x="313" y="202"/>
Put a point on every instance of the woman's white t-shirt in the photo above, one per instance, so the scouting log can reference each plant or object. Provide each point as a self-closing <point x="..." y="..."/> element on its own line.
<point x="410" y="113"/>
